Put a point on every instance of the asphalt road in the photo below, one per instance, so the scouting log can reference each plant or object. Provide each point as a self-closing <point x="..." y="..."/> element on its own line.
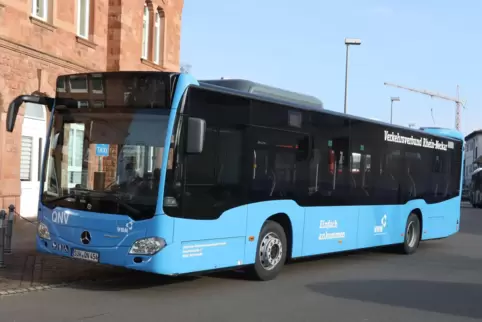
<point x="441" y="282"/>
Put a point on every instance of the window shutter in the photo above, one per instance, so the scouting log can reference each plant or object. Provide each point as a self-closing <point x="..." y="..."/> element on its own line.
<point x="26" y="158"/>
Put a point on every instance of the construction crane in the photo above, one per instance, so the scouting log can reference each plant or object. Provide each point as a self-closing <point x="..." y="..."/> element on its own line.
<point x="457" y="101"/>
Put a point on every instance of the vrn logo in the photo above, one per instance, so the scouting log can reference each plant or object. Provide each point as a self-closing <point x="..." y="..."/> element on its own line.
<point x="60" y="217"/>
<point x="380" y="228"/>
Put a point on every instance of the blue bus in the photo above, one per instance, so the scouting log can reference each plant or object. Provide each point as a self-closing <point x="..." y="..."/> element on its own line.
<point x="160" y="172"/>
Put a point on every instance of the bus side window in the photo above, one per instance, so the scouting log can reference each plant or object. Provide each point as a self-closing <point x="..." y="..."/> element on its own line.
<point x="229" y="157"/>
<point x="201" y="167"/>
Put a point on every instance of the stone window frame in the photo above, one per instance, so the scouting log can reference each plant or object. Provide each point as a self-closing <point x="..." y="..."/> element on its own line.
<point x="88" y="38"/>
<point x="46" y="20"/>
<point x="47" y="6"/>
<point x="154" y="38"/>
<point x="159" y="36"/>
<point x="145" y="31"/>
<point x="86" y="19"/>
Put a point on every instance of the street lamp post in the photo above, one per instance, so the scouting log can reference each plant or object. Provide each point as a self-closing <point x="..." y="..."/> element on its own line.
<point x="393" y="99"/>
<point x="348" y="42"/>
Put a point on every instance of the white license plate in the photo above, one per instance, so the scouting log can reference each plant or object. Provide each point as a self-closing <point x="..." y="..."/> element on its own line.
<point x="85" y="255"/>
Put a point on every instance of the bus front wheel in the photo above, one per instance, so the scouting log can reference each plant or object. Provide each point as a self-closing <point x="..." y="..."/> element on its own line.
<point x="412" y="235"/>
<point x="270" y="252"/>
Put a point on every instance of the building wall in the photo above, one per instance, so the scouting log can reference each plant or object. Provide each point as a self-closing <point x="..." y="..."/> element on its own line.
<point x="33" y="52"/>
<point x="473" y="151"/>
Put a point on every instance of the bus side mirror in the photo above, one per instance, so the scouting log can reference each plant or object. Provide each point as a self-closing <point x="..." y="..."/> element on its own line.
<point x="12" y="112"/>
<point x="15" y="106"/>
<point x="196" y="130"/>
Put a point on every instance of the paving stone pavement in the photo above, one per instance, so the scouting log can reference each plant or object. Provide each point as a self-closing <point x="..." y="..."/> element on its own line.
<point x="27" y="270"/>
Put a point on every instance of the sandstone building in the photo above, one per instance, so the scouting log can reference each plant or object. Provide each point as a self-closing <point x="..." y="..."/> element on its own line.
<point x="41" y="39"/>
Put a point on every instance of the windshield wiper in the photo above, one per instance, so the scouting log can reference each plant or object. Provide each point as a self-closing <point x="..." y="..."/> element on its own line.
<point x="83" y="193"/>
<point x="67" y="196"/>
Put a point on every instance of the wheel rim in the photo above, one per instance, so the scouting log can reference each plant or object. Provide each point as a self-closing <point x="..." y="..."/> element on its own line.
<point x="270" y="251"/>
<point x="412" y="234"/>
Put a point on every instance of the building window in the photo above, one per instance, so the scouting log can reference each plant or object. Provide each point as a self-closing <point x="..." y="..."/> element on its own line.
<point x="145" y="32"/>
<point x="83" y="18"/>
<point x="98" y="104"/>
<point x="61" y="84"/>
<point x="82" y="104"/>
<point x="40" y="9"/>
<point x="158" y="27"/>
<point x="76" y="140"/>
<point x="26" y="158"/>
<point x="78" y="84"/>
<point x="97" y="84"/>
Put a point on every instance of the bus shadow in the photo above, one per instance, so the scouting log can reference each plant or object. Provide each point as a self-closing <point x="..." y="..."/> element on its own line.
<point x="130" y="280"/>
<point x="457" y="299"/>
<point x="122" y="279"/>
<point x="339" y="257"/>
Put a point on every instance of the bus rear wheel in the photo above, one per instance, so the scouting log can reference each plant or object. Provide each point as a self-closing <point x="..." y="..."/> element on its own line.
<point x="412" y="235"/>
<point x="270" y="252"/>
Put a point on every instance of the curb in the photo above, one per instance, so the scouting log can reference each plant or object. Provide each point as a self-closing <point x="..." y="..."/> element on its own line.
<point x="17" y="291"/>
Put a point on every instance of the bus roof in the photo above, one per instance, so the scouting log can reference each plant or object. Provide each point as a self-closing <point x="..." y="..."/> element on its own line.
<point x="266" y="91"/>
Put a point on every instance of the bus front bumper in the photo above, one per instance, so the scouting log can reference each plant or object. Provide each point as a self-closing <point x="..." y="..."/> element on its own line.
<point x="158" y="262"/>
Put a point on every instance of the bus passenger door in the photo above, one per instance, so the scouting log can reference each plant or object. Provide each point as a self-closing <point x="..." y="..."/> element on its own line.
<point x="330" y="218"/>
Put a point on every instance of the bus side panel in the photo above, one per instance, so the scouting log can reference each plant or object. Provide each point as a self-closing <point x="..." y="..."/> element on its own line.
<point x="381" y="225"/>
<point x="210" y="244"/>
<point x="441" y="219"/>
<point x="257" y="215"/>
<point x="330" y="229"/>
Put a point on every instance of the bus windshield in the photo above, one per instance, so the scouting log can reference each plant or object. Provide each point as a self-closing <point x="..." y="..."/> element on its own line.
<point x="106" y="162"/>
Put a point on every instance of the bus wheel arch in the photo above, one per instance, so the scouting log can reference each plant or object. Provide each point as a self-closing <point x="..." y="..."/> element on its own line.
<point x="412" y="233"/>
<point x="273" y="247"/>
<point x="285" y="222"/>
<point x="418" y="212"/>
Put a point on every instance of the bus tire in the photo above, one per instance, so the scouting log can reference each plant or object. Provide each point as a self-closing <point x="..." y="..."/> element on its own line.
<point x="412" y="234"/>
<point x="271" y="252"/>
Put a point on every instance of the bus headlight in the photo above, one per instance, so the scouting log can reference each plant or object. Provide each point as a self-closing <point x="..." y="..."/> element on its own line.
<point x="43" y="231"/>
<point x="147" y="246"/>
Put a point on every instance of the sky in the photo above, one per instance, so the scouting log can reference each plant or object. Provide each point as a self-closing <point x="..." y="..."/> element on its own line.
<point x="431" y="45"/>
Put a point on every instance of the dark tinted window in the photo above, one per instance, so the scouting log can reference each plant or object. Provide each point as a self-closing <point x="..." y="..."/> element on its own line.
<point x="255" y="151"/>
<point x="114" y="90"/>
<point x="276" y="116"/>
<point x="201" y="168"/>
<point x="365" y="157"/>
<point x="279" y="165"/>
<point x="215" y="179"/>
<point x="330" y="165"/>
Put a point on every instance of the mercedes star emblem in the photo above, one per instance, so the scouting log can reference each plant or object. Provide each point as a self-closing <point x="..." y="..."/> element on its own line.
<point x="85" y="237"/>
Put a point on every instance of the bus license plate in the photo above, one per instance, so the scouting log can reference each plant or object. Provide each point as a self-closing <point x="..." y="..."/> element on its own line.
<point x="85" y="255"/>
